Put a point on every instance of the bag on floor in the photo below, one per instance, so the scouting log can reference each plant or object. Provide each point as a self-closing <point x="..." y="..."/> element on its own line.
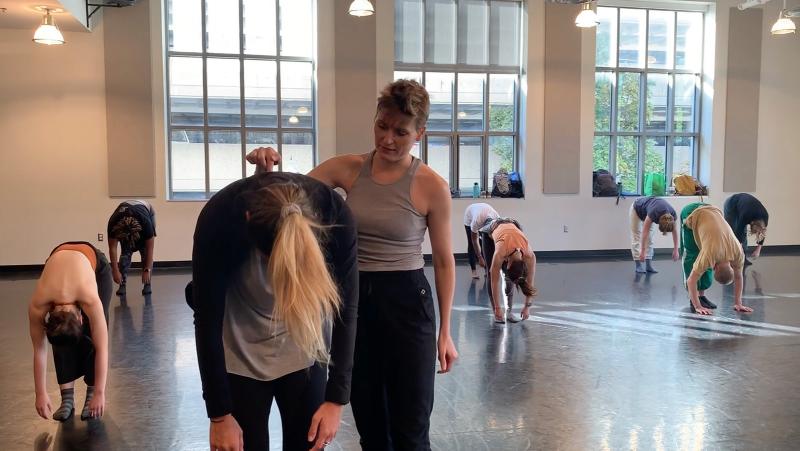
<point x="604" y="184"/>
<point x="655" y="184"/>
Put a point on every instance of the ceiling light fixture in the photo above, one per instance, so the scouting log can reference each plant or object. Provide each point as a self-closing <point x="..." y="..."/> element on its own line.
<point x="587" y="18"/>
<point x="361" y="8"/>
<point x="48" y="33"/>
<point x="302" y="110"/>
<point x="293" y="120"/>
<point x="784" y="24"/>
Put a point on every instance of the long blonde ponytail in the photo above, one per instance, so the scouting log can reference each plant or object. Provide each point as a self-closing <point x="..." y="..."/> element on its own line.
<point x="305" y="293"/>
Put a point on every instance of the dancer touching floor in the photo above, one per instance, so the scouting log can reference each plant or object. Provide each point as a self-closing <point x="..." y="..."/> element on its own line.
<point x="69" y="308"/>
<point x="710" y="248"/>
<point x="644" y="213"/>
<point x="133" y="226"/>
<point x="742" y="211"/>
<point x="476" y="216"/>
<point x="275" y="298"/>
<point x="395" y="199"/>
<point x="507" y="249"/>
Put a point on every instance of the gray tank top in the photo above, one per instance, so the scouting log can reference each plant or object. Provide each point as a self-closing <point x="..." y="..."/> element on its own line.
<point x="390" y="230"/>
<point x="256" y="344"/>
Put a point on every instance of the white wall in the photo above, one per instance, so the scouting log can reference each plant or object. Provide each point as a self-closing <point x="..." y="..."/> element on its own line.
<point x="53" y="165"/>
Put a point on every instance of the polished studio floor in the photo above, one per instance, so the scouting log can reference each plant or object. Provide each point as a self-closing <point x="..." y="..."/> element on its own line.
<point x="609" y="360"/>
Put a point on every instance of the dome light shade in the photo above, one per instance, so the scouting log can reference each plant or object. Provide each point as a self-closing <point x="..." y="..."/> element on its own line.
<point x="784" y="25"/>
<point x="587" y="17"/>
<point x="48" y="33"/>
<point x="361" y="8"/>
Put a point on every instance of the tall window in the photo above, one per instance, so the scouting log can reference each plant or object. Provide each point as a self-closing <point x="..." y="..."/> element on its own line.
<point x="241" y="75"/>
<point x="467" y="54"/>
<point x="647" y="93"/>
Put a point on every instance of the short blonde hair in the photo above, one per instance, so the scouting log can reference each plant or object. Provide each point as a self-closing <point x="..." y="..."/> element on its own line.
<point x="723" y="274"/>
<point x="666" y="223"/>
<point x="407" y="97"/>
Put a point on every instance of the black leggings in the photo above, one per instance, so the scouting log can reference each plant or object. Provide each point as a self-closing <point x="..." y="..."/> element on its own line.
<point x="76" y="360"/>
<point x="470" y="248"/>
<point x="298" y="395"/>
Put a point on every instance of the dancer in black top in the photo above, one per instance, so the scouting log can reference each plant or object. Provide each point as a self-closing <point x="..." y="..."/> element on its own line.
<point x="275" y="273"/>
<point x="742" y="210"/>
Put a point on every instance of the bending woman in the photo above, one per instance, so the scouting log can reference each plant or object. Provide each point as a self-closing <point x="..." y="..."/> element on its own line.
<point x="133" y="226"/>
<point x="274" y="294"/>
<point x="395" y="198"/>
<point x="743" y="210"/>
<point x="645" y="212"/>
<point x="475" y="217"/>
<point x="70" y="308"/>
<point x="507" y="248"/>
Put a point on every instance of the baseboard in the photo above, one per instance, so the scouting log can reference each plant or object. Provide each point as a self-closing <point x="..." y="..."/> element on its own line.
<point x="599" y="254"/>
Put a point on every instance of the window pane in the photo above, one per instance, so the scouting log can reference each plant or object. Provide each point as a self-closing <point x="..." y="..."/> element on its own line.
<point x="655" y="118"/>
<point x="440" y="91"/>
<point x="440" y="31"/>
<point x="628" y="163"/>
<point x="224" y="158"/>
<point x="184" y="26"/>
<point x="185" y="91"/>
<point x="655" y="154"/>
<point x="628" y="102"/>
<point x="409" y="18"/>
<point x="660" y="39"/>
<point x="415" y="149"/>
<point x="689" y="41"/>
<point x="470" y="102"/>
<point x="187" y="164"/>
<point x="255" y="140"/>
<point x="260" y="90"/>
<point x="296" y="87"/>
<point x="405" y="75"/>
<point x="224" y="107"/>
<point x="632" y="37"/>
<point x="296" y="27"/>
<point x="470" y="153"/>
<point x="258" y="18"/>
<point x="504" y="32"/>
<point x="606" y="44"/>
<point x="473" y="33"/>
<point x="502" y="95"/>
<point x="603" y="82"/>
<point x="439" y="155"/>
<point x="600" y="153"/>
<point x="297" y="153"/>
<point x="685" y="89"/>
<point x="501" y="155"/>
<point x="682" y="156"/>
<point x="222" y="26"/>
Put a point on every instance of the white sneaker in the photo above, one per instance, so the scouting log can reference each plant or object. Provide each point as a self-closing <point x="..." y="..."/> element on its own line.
<point x="475" y="274"/>
<point x="512" y="318"/>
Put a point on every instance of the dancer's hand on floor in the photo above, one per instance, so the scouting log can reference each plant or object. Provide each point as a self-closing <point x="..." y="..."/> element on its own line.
<point x="525" y="313"/>
<point x="226" y="435"/>
<point x="742" y="308"/>
<point x="43" y="406"/>
<point x="447" y="353"/>
<point x="703" y="311"/>
<point x="324" y="424"/>
<point x="97" y="405"/>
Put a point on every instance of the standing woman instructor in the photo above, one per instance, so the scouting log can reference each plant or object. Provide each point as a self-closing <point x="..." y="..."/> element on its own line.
<point x="395" y="198"/>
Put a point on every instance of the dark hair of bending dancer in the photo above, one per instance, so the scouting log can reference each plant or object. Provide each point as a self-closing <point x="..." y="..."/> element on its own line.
<point x="274" y="294"/>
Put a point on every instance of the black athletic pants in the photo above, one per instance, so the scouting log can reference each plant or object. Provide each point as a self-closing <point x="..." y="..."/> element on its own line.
<point x="395" y="361"/>
<point x="76" y="360"/>
<point x="470" y="249"/>
<point x="298" y="396"/>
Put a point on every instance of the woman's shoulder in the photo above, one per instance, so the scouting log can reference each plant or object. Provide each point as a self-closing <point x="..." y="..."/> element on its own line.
<point x="430" y="180"/>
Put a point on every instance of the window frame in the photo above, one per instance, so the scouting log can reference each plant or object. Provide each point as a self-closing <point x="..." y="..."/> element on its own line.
<point x="487" y="70"/>
<point x="279" y="129"/>
<point x="643" y="134"/>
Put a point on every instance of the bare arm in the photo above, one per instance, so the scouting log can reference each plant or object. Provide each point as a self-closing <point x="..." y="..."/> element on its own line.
<point x="738" y="287"/>
<point x="531" y="262"/>
<point x="494" y="273"/>
<point x="476" y="246"/>
<point x="94" y="310"/>
<point x="675" y="246"/>
<point x="147" y="264"/>
<point x="39" y="341"/>
<point x="694" y="296"/>
<point x="444" y="268"/>
<point x="336" y="172"/>
<point x="114" y="256"/>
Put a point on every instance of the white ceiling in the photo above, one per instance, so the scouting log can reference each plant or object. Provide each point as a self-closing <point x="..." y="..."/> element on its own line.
<point x="20" y="14"/>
